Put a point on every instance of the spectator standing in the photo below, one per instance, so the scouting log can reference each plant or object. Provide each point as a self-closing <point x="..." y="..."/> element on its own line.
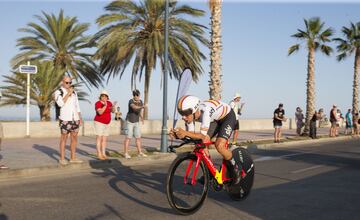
<point x="117" y="114"/>
<point x="2" y="166"/>
<point x="299" y="119"/>
<point x="339" y="121"/>
<point x="316" y="116"/>
<point x="323" y="120"/>
<point x="102" y="119"/>
<point x="333" y="121"/>
<point x="133" y="117"/>
<point x="69" y="119"/>
<point x="348" y="123"/>
<point x="279" y="117"/>
<point x="237" y="108"/>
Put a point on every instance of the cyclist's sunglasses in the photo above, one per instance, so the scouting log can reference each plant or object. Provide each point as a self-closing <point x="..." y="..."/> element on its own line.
<point x="185" y="112"/>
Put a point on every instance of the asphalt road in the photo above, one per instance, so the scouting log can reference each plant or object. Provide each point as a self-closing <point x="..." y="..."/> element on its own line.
<point x="317" y="181"/>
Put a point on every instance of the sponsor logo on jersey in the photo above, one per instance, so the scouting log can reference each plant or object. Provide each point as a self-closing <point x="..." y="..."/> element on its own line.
<point x="228" y="130"/>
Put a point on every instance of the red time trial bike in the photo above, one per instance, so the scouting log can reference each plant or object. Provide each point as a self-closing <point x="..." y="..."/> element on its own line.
<point x="191" y="174"/>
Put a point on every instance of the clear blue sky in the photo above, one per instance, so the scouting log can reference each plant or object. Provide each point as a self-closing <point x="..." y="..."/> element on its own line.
<point x="256" y="37"/>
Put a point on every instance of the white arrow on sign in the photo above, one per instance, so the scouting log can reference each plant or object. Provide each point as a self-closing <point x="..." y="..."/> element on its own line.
<point x="31" y="69"/>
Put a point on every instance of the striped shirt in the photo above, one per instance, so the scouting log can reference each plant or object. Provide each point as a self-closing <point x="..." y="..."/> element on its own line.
<point x="211" y="110"/>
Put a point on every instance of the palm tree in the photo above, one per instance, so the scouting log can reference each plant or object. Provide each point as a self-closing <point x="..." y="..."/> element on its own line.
<point x="135" y="31"/>
<point x="61" y="40"/>
<point x="43" y="85"/>
<point x="346" y="47"/>
<point x="315" y="37"/>
<point x="215" y="47"/>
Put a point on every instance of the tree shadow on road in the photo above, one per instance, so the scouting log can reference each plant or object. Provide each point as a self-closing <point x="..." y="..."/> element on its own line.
<point x="138" y="181"/>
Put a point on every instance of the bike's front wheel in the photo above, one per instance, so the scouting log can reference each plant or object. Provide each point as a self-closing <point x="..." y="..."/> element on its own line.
<point x="185" y="195"/>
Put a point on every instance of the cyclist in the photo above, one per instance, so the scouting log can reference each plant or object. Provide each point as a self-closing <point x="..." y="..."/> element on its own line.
<point x="216" y="117"/>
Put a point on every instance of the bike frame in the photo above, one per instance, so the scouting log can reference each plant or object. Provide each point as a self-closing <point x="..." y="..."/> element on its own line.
<point x="219" y="176"/>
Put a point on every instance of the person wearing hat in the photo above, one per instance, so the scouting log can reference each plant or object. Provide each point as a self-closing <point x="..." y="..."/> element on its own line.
<point x="279" y="117"/>
<point x="102" y="119"/>
<point x="236" y="107"/>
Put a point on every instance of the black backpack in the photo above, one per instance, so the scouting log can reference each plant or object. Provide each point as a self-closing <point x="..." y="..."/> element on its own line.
<point x="57" y="107"/>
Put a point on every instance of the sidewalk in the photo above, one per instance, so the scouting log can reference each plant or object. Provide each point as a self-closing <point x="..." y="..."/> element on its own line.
<point x="43" y="152"/>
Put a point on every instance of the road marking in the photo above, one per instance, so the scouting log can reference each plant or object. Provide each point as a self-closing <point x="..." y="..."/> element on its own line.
<point x="33" y="199"/>
<point x="266" y="158"/>
<point x="307" y="169"/>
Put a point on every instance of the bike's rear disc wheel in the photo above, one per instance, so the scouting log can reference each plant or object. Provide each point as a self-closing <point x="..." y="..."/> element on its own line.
<point x="242" y="190"/>
<point x="186" y="198"/>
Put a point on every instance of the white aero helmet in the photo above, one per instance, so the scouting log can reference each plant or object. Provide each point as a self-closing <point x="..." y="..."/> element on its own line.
<point x="188" y="105"/>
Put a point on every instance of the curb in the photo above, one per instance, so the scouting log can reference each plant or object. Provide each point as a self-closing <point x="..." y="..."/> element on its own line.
<point x="299" y="142"/>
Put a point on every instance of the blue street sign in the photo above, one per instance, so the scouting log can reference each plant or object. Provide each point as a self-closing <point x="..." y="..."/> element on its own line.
<point x="31" y="69"/>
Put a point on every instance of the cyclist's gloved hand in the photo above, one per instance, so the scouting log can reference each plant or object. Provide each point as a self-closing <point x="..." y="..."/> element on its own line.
<point x="180" y="133"/>
<point x="206" y="139"/>
<point x="172" y="134"/>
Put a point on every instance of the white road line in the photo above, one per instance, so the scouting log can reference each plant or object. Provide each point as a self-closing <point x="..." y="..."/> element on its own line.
<point x="266" y="158"/>
<point x="307" y="169"/>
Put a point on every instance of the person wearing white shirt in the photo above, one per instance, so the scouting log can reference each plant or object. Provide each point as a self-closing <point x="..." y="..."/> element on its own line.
<point x="69" y="120"/>
<point x="236" y="107"/>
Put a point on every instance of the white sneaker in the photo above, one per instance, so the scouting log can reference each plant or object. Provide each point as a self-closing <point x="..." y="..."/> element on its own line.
<point x="127" y="156"/>
<point x="63" y="162"/>
<point x="141" y="154"/>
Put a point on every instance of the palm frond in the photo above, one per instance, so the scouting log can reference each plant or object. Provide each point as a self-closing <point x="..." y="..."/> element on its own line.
<point x="62" y="40"/>
<point x="314" y="36"/>
<point x="293" y="48"/>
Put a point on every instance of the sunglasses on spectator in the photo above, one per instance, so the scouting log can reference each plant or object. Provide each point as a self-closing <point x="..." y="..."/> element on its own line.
<point x="68" y="82"/>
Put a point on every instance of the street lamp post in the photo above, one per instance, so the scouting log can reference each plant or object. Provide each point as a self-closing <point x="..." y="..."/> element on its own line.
<point x="164" y="130"/>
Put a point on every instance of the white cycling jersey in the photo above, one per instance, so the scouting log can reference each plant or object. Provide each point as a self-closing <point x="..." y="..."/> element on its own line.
<point x="211" y="110"/>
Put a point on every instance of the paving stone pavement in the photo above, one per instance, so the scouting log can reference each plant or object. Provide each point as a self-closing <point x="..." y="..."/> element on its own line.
<point x="41" y="152"/>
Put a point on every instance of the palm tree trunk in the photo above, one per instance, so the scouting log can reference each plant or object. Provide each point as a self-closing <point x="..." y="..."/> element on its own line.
<point x="215" y="54"/>
<point x="355" y="103"/>
<point x="44" y="112"/>
<point x="310" y="89"/>
<point x="146" y="92"/>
